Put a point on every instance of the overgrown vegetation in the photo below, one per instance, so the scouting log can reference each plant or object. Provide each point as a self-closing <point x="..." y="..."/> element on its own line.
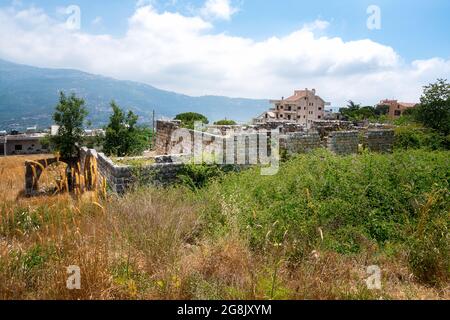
<point x="308" y="232"/>
<point x="413" y="136"/>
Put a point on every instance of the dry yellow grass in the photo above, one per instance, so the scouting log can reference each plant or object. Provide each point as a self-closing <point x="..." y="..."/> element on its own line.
<point x="148" y="245"/>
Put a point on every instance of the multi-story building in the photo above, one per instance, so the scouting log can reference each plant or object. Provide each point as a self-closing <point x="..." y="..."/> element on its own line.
<point x="303" y="107"/>
<point x="396" y="109"/>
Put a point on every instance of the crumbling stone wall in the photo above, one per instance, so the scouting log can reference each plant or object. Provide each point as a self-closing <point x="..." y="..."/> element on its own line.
<point x="343" y="142"/>
<point x="120" y="178"/>
<point x="380" y="140"/>
<point x="300" y="142"/>
<point x="164" y="131"/>
<point x="325" y="127"/>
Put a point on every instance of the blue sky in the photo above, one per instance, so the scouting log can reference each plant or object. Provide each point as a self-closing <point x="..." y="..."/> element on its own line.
<point x="417" y="29"/>
<point x="196" y="49"/>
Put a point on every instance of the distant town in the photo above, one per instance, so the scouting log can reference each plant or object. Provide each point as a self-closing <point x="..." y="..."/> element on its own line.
<point x="305" y="108"/>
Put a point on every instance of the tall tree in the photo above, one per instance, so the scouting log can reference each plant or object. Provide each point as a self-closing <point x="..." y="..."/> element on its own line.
<point x="69" y="116"/>
<point x="123" y="136"/>
<point x="434" y="109"/>
<point x="188" y="119"/>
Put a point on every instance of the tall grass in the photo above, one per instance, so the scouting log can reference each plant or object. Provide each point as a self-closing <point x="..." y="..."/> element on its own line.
<point x="307" y="233"/>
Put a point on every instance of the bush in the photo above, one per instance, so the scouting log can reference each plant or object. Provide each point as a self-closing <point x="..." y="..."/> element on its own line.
<point x="198" y="176"/>
<point x="414" y="137"/>
<point x="356" y="201"/>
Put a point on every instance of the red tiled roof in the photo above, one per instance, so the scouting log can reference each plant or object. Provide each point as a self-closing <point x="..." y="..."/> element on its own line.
<point x="407" y="104"/>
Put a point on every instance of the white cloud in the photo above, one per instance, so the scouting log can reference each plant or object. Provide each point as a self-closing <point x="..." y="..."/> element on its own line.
<point x="218" y="9"/>
<point x="184" y="54"/>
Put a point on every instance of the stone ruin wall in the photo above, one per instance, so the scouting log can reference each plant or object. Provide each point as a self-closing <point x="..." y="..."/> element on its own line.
<point x="339" y="137"/>
<point x="120" y="177"/>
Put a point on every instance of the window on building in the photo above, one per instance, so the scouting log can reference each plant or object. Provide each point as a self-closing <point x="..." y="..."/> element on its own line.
<point x="397" y="113"/>
<point x="18" y="147"/>
<point x="319" y="117"/>
<point x="320" y="108"/>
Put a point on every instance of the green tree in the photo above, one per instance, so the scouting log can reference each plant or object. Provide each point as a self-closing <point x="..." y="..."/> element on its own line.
<point x="189" y="118"/>
<point x="381" y="110"/>
<point x="434" y="108"/>
<point x="367" y="112"/>
<point x="225" y="123"/>
<point x="123" y="137"/>
<point x="69" y="116"/>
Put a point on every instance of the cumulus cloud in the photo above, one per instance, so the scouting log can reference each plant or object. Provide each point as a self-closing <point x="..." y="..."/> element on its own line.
<point x="184" y="54"/>
<point x="218" y="9"/>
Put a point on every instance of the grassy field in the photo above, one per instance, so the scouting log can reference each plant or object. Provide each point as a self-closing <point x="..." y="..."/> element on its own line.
<point x="309" y="232"/>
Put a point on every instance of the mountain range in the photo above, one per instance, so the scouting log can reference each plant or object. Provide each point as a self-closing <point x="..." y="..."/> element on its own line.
<point x="28" y="96"/>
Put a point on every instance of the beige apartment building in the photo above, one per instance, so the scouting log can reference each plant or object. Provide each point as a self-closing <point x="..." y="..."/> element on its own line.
<point x="396" y="108"/>
<point x="303" y="107"/>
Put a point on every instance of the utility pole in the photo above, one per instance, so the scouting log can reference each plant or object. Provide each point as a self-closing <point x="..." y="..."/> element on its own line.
<point x="153" y="130"/>
<point x="5" y="145"/>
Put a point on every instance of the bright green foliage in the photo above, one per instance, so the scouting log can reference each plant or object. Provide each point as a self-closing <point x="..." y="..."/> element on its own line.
<point x="198" y="176"/>
<point x="434" y="109"/>
<point x="416" y="137"/>
<point x="188" y="119"/>
<point x="123" y="137"/>
<point x="355" y="112"/>
<point x="355" y="202"/>
<point x="225" y="123"/>
<point x="69" y="115"/>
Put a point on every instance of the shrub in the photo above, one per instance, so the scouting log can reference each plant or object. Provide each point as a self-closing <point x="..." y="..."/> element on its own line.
<point x="198" y="176"/>
<point x="414" y="137"/>
<point x="355" y="200"/>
